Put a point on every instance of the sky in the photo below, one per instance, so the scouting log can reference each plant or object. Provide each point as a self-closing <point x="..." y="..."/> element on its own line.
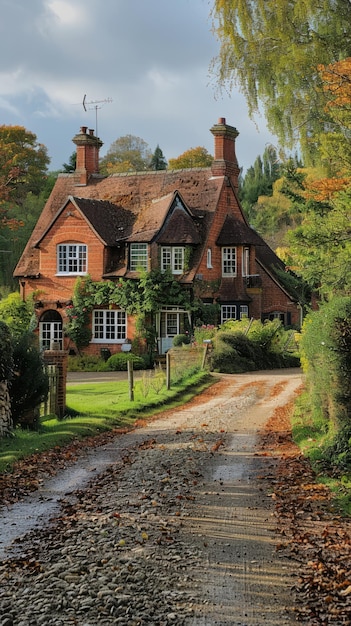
<point x="142" y="65"/>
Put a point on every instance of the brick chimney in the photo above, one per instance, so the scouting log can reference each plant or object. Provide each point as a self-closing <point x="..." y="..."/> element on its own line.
<point x="225" y="162"/>
<point x="88" y="147"/>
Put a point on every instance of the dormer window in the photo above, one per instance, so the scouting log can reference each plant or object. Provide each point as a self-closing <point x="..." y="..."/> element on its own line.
<point x="172" y="258"/>
<point x="138" y="257"/>
<point x="229" y="261"/>
<point x="72" y="258"/>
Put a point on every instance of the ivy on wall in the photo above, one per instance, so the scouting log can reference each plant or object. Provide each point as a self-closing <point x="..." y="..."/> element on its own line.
<point x="141" y="298"/>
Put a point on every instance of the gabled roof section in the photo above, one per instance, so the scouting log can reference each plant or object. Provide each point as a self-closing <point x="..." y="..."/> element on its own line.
<point x="179" y="226"/>
<point x="151" y="218"/>
<point x="234" y="232"/>
<point x="109" y="222"/>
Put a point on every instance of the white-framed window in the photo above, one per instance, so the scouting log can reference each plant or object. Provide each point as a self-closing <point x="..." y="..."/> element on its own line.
<point x="228" y="312"/>
<point x="138" y="258"/>
<point x="50" y="330"/>
<point x="172" y="258"/>
<point x="229" y="261"/>
<point x="244" y="311"/>
<point x="109" y="326"/>
<point x="209" y="258"/>
<point x="72" y="258"/>
<point x="246" y="261"/>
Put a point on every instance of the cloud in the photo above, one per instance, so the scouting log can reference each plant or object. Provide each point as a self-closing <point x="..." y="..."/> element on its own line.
<point x="151" y="58"/>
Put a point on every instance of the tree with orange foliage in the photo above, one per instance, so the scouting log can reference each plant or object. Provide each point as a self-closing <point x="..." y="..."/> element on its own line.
<point x="23" y="164"/>
<point x="23" y="175"/>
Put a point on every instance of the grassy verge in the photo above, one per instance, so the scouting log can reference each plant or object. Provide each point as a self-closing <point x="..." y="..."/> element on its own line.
<point x="317" y="440"/>
<point x="95" y="408"/>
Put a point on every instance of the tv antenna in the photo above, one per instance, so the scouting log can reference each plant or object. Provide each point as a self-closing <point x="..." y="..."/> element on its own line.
<point x="95" y="104"/>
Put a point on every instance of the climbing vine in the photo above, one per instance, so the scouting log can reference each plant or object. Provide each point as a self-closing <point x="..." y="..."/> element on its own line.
<point x="141" y="298"/>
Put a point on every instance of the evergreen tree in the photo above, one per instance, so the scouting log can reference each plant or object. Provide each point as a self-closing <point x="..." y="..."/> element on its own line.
<point x="258" y="180"/>
<point x="158" y="161"/>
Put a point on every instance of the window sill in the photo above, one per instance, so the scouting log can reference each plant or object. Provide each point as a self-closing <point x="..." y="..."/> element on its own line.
<point x="60" y="274"/>
<point x="114" y="341"/>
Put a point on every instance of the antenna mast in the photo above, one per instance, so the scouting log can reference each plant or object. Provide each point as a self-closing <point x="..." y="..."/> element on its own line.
<point x="94" y="104"/>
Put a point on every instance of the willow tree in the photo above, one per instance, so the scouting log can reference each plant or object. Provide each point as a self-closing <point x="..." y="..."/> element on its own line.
<point x="271" y="50"/>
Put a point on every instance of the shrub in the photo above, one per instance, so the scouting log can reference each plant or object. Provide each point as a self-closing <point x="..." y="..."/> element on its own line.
<point x="6" y="352"/>
<point x="179" y="340"/>
<point x="233" y="353"/>
<point x="16" y="313"/>
<point x="84" y="363"/>
<point x="326" y="358"/>
<point x="118" y="362"/>
<point x="29" y="386"/>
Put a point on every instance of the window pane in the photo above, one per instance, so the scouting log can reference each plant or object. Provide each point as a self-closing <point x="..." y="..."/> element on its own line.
<point x="229" y="261"/>
<point x="49" y="332"/>
<point x="244" y="311"/>
<point x="72" y="259"/>
<point x="138" y="256"/>
<point x="246" y="262"/>
<point x="172" y="324"/>
<point x="178" y="260"/>
<point x="173" y="259"/>
<point x="166" y="259"/>
<point x="109" y="326"/>
<point x="228" y="312"/>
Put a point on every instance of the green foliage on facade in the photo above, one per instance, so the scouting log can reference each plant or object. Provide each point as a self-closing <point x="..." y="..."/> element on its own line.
<point x="142" y="298"/>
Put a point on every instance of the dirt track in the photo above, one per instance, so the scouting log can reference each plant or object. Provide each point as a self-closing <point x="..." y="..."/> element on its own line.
<point x="239" y="578"/>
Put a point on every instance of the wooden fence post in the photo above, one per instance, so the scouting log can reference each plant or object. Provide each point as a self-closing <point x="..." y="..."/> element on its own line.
<point x="130" y="380"/>
<point x="168" y="371"/>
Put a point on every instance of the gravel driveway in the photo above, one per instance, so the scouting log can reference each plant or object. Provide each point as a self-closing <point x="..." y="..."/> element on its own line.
<point x="174" y="525"/>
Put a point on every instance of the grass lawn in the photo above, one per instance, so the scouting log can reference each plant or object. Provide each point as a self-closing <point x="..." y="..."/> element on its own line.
<point x="94" y="408"/>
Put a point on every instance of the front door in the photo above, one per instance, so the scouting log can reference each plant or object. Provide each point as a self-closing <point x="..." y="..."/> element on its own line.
<point x="170" y="323"/>
<point x="50" y="330"/>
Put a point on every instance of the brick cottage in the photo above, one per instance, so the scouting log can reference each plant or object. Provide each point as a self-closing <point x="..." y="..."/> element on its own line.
<point x="110" y="228"/>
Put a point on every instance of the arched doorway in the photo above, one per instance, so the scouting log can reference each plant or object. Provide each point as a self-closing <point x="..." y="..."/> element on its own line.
<point x="50" y="330"/>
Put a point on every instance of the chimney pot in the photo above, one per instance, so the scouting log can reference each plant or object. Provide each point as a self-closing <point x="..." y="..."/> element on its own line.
<point x="91" y="132"/>
<point x="83" y="129"/>
<point x="221" y="120"/>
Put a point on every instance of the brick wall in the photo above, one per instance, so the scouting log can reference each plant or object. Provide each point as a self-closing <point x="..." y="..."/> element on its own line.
<point x="59" y="358"/>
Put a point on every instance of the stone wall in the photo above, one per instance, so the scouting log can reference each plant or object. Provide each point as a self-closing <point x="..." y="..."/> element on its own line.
<point x="6" y="424"/>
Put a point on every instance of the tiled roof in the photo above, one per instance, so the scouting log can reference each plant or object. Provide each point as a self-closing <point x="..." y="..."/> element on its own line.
<point x="112" y="223"/>
<point x="146" y="195"/>
<point x="231" y="290"/>
<point x="235" y="232"/>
